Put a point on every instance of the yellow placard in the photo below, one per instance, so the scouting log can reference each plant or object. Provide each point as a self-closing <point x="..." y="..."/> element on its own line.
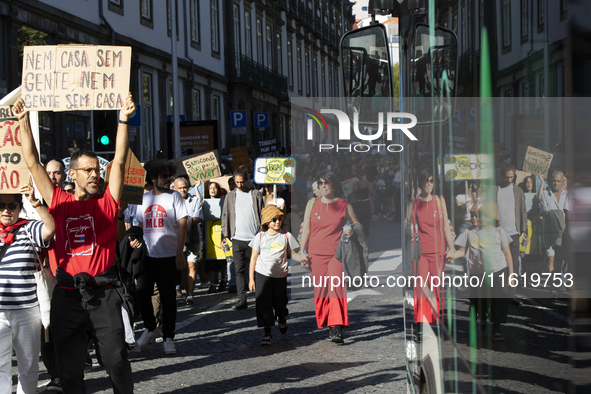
<point x="75" y="77"/>
<point x="213" y="235"/>
<point x="463" y="167"/>
<point x="14" y="172"/>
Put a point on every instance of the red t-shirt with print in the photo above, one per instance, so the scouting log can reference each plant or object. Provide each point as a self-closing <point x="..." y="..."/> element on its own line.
<point x="85" y="232"/>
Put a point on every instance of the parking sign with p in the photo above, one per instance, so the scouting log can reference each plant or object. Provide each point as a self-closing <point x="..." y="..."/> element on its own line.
<point x="238" y="118"/>
<point x="261" y="119"/>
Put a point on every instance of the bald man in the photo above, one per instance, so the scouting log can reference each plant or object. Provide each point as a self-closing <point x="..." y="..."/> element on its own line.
<point x="56" y="171"/>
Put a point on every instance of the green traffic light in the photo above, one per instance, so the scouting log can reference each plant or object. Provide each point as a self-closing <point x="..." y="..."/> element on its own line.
<point x="104" y="140"/>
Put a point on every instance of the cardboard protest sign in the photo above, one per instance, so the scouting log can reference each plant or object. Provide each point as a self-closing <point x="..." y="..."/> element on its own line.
<point x="240" y="157"/>
<point x="133" y="181"/>
<point x="223" y="181"/>
<point x="537" y="161"/>
<point x="467" y="166"/>
<point x="14" y="172"/>
<point x="202" y="167"/>
<point x="520" y="176"/>
<point x="75" y="77"/>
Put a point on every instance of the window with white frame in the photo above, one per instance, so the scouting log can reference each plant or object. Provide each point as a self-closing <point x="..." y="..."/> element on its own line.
<point x="247" y="35"/>
<point x="146" y="9"/>
<point x="506" y="22"/>
<point x="215" y="107"/>
<point x="196" y="104"/>
<point x="195" y="30"/>
<point x="299" y="60"/>
<point x="269" y="46"/>
<point x="279" y="53"/>
<point x="147" y="116"/>
<point x="259" y="41"/>
<point x="236" y="16"/>
<point x="215" y="26"/>
<point x="290" y="63"/>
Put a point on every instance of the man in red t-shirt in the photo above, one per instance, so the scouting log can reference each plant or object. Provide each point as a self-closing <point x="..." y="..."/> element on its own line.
<point x="85" y="248"/>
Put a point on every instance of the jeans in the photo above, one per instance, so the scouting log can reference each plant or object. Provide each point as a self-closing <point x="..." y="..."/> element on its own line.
<point x="163" y="272"/>
<point x="75" y="321"/>
<point x="239" y="249"/>
<point x="20" y="329"/>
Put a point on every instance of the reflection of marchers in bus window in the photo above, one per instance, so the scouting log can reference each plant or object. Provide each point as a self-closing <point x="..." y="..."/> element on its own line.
<point x="493" y="242"/>
<point x="430" y="216"/>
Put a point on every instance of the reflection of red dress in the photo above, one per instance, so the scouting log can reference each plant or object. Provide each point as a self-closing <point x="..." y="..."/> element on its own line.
<point x="326" y="227"/>
<point x="431" y="263"/>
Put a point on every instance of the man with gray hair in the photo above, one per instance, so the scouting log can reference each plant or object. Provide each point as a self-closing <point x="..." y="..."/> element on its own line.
<point x="554" y="207"/>
<point x="188" y="274"/>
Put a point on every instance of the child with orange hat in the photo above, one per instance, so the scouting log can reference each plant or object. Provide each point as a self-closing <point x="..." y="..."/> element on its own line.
<point x="268" y="271"/>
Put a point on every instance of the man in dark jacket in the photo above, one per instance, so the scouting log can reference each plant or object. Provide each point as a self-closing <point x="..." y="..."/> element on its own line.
<point x="241" y="221"/>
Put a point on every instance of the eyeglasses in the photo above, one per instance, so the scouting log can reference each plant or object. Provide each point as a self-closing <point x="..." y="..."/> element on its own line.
<point x="430" y="180"/>
<point x="321" y="183"/>
<point x="90" y="170"/>
<point x="277" y="219"/>
<point x="11" y="206"/>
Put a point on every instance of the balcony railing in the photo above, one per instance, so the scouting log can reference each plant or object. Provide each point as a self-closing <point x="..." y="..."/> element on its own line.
<point x="248" y="71"/>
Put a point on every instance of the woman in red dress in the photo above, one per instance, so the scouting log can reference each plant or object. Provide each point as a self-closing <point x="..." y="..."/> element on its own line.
<point x="432" y="225"/>
<point x="323" y="227"/>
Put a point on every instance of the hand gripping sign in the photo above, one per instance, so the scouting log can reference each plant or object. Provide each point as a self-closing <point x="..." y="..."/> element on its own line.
<point x="14" y="172"/>
<point x="275" y="170"/>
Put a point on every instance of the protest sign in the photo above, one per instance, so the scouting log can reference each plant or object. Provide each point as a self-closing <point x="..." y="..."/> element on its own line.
<point x="14" y="172"/>
<point x="537" y="161"/>
<point x="520" y="176"/>
<point x="134" y="179"/>
<point x="268" y="148"/>
<point x="75" y="77"/>
<point x="240" y="157"/>
<point x="467" y="166"/>
<point x="202" y="167"/>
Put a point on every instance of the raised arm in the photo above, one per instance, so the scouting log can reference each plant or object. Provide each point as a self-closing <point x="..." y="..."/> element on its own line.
<point x="121" y="149"/>
<point x="31" y="154"/>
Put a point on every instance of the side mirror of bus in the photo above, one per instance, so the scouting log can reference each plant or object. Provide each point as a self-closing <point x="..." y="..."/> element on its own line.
<point x="433" y="64"/>
<point x="367" y="73"/>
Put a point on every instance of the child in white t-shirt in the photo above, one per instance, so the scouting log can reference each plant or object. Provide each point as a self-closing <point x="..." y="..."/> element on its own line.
<point x="268" y="271"/>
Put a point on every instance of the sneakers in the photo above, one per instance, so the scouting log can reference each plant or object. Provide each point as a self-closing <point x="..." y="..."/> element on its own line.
<point x="54" y="386"/>
<point x="212" y="289"/>
<point x="267" y="340"/>
<point x="148" y="337"/>
<point x="497" y="336"/>
<point x="283" y="328"/>
<point x="189" y="300"/>
<point x="169" y="346"/>
<point x="239" y="305"/>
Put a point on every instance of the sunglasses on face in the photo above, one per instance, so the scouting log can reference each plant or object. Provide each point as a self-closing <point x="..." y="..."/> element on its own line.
<point x="321" y="183"/>
<point x="11" y="206"/>
<point x="90" y="170"/>
<point x="277" y="219"/>
<point x="71" y="191"/>
<point x="474" y="214"/>
<point x="430" y="180"/>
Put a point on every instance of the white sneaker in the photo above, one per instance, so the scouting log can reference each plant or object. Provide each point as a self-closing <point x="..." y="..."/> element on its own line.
<point x="169" y="346"/>
<point x="189" y="300"/>
<point x="148" y="337"/>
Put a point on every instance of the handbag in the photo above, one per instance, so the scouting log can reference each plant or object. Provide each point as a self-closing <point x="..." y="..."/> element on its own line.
<point x="46" y="283"/>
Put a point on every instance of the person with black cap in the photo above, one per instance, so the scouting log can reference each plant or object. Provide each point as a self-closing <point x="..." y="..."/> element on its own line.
<point x="268" y="271"/>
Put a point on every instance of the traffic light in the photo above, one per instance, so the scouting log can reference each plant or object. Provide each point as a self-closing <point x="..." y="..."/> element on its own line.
<point x="105" y="131"/>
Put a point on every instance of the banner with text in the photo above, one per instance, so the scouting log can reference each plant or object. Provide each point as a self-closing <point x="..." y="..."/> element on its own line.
<point x="75" y="77"/>
<point x="268" y="148"/>
<point x="134" y="179"/>
<point x="202" y="167"/>
<point x="240" y="157"/>
<point x="14" y="172"/>
<point x="537" y="161"/>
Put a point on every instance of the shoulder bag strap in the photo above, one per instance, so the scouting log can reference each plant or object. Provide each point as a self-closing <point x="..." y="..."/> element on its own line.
<point x="37" y="259"/>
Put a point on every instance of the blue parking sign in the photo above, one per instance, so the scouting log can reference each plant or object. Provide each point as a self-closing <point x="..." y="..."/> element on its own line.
<point x="238" y="118"/>
<point x="261" y="119"/>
